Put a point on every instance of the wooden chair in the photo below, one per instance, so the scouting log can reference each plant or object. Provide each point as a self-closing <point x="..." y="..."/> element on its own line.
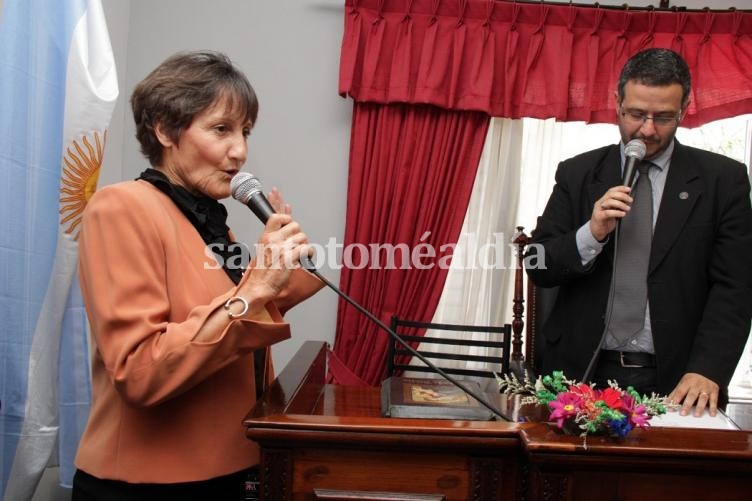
<point x="410" y="331"/>
<point x="540" y="303"/>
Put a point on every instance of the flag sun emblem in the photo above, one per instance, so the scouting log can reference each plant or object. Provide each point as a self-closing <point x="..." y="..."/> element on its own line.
<point x="79" y="180"/>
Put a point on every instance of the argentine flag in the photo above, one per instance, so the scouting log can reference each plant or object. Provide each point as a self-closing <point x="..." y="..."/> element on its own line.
<point x="57" y="91"/>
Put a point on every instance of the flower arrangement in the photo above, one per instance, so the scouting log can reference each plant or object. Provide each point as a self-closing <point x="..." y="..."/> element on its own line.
<point x="579" y="406"/>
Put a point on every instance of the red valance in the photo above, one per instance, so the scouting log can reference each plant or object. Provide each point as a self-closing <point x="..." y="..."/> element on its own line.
<point x="540" y="60"/>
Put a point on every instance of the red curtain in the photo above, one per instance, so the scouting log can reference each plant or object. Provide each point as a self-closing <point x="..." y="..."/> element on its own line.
<point x="412" y="170"/>
<point x="540" y="60"/>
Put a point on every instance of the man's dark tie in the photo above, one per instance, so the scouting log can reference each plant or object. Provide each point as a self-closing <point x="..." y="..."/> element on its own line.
<point x="633" y="255"/>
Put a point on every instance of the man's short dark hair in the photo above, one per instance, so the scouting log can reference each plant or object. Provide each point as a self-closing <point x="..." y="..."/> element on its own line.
<point x="184" y="85"/>
<point x="656" y="67"/>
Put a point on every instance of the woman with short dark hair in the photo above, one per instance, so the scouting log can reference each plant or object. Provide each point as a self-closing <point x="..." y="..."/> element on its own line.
<point x="180" y="331"/>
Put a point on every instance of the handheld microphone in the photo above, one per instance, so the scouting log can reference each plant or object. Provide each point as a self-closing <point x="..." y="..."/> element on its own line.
<point x="634" y="151"/>
<point x="247" y="189"/>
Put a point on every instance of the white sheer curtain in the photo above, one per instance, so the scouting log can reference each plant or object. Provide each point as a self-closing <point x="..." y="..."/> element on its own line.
<point x="515" y="178"/>
<point x="545" y="143"/>
<point x="475" y="286"/>
<point x="514" y="181"/>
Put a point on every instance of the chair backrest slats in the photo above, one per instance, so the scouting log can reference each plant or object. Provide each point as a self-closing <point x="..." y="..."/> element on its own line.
<point x="498" y="342"/>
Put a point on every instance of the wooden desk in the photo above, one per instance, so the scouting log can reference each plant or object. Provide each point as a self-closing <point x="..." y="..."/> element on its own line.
<point x="322" y="441"/>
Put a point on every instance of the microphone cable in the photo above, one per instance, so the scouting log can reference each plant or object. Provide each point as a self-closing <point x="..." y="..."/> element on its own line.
<point x="409" y="348"/>
<point x="247" y="189"/>
<point x="609" y="310"/>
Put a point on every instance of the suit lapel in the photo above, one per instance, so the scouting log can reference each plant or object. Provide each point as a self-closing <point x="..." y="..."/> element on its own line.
<point x="681" y="193"/>
<point x="606" y="175"/>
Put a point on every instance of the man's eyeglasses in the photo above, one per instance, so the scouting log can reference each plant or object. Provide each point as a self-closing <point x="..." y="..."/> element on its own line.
<point x="636" y="117"/>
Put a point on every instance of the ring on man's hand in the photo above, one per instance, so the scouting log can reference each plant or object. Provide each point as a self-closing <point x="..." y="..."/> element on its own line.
<point x="704" y="393"/>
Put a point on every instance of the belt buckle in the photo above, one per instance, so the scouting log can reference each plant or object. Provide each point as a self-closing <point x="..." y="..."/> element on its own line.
<point x="625" y="365"/>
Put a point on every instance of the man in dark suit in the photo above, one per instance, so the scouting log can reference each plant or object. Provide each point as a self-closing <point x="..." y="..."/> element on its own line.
<point x="699" y="278"/>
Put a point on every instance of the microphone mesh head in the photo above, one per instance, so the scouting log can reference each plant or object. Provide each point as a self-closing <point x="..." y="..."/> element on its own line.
<point x="636" y="149"/>
<point x="244" y="185"/>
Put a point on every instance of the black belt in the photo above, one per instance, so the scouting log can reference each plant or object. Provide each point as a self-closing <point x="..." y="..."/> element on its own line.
<point x="629" y="359"/>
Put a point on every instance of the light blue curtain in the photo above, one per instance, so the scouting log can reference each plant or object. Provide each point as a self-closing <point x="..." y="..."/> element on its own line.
<point x="57" y="90"/>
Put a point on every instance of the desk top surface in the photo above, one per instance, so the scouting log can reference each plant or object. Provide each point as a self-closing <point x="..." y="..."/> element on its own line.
<point x="299" y="405"/>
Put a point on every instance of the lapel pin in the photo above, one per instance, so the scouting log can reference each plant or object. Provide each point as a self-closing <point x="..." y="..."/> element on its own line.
<point x="684" y="195"/>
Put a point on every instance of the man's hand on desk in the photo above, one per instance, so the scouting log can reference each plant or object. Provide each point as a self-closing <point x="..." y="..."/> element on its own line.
<point x="695" y="389"/>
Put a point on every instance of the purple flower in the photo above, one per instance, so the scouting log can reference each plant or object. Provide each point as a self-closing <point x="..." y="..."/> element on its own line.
<point x="637" y="414"/>
<point x="564" y="407"/>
